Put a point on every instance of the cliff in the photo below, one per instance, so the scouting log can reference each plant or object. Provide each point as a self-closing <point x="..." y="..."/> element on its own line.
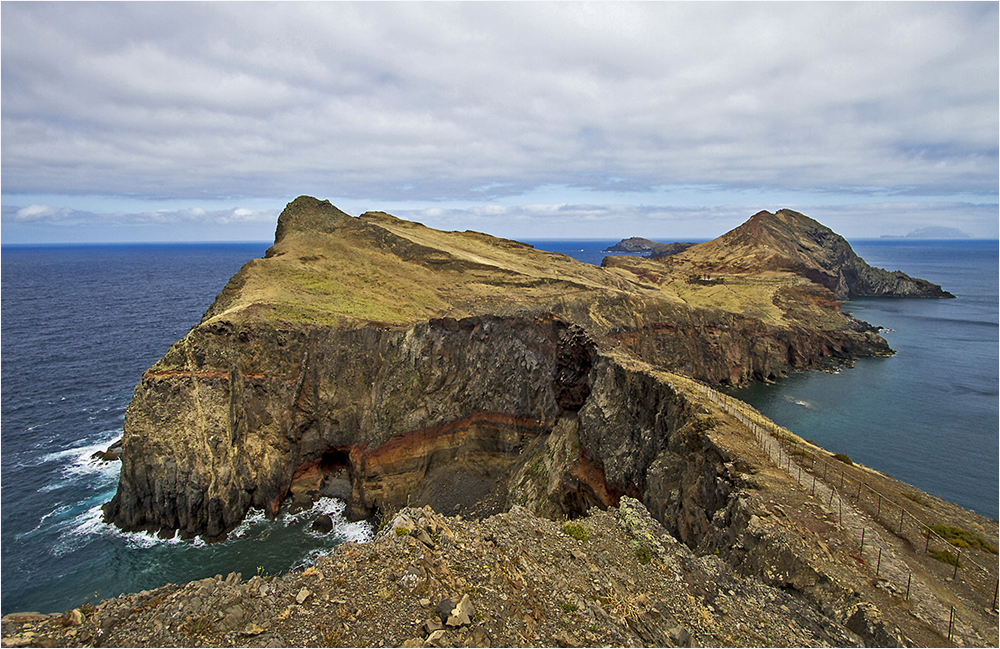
<point x="363" y="355"/>
<point x="392" y="365"/>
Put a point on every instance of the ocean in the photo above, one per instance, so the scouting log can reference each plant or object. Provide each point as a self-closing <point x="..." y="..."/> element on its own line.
<point x="81" y="323"/>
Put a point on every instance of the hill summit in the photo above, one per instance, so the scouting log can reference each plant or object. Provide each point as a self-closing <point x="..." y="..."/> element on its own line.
<point x="790" y="241"/>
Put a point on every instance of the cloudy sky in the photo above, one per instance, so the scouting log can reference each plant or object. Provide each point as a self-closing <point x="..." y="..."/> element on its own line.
<point x="199" y="121"/>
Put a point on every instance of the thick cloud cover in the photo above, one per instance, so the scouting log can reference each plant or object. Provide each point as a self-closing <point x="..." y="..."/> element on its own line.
<point x="633" y="114"/>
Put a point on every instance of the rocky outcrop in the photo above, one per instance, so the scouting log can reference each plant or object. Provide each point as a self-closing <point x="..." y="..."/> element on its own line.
<point x="386" y="363"/>
<point x="790" y="241"/>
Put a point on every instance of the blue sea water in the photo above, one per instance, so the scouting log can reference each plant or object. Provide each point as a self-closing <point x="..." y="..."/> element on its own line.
<point x="929" y="414"/>
<point x="81" y="324"/>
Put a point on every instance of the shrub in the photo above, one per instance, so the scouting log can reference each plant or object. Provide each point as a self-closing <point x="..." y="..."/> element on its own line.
<point x="963" y="539"/>
<point x="841" y="457"/>
<point x="944" y="557"/>
<point x="644" y="554"/>
<point x="577" y="532"/>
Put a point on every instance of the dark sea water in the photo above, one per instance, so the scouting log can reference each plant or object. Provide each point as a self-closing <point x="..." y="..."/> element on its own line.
<point x="81" y="324"/>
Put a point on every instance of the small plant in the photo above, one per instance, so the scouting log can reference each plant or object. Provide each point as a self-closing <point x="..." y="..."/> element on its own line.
<point x="402" y="531"/>
<point x="198" y="626"/>
<point x="569" y="607"/>
<point x="644" y="554"/>
<point x="842" y="457"/>
<point x="920" y="501"/>
<point x="945" y="556"/>
<point x="963" y="539"/>
<point x="577" y="532"/>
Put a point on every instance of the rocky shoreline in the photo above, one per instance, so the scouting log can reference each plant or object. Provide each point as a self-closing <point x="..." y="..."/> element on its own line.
<point x="612" y="578"/>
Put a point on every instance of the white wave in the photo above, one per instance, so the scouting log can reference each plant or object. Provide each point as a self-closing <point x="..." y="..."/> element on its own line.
<point x="79" y="464"/>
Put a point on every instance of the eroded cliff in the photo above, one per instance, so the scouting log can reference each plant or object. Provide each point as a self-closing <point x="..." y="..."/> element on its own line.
<point x="368" y="357"/>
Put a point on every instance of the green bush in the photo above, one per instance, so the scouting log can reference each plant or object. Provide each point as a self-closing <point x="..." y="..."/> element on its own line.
<point x="944" y="557"/>
<point x="577" y="532"/>
<point x="963" y="539"/>
<point x="644" y="554"/>
<point x="841" y="457"/>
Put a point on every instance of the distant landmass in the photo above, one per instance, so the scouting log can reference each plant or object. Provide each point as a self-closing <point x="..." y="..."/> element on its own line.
<point x="931" y="232"/>
<point x="652" y="248"/>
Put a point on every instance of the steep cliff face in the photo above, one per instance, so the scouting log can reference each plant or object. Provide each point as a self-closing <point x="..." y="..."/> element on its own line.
<point x="387" y="363"/>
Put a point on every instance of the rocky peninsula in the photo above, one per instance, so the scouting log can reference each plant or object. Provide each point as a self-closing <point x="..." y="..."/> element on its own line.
<point x="467" y="392"/>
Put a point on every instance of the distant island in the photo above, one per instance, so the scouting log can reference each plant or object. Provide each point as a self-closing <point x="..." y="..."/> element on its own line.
<point x="650" y="247"/>
<point x="931" y="232"/>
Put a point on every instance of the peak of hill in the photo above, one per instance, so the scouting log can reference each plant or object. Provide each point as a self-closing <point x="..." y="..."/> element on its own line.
<point x="793" y="242"/>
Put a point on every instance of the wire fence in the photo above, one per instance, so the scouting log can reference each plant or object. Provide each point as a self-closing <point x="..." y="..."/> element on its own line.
<point x="855" y="503"/>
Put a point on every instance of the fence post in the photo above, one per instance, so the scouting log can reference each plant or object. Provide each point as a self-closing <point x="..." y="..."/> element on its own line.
<point x="996" y="589"/>
<point x="858" y="497"/>
<point x="878" y="564"/>
<point x="951" y="619"/>
<point x="958" y="560"/>
<point x="908" y="578"/>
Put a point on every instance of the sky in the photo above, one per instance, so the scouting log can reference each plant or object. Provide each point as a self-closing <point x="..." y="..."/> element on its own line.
<point x="189" y="121"/>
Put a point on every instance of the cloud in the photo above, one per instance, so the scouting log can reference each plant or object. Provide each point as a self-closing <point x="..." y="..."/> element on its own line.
<point x="475" y="101"/>
<point x="195" y="215"/>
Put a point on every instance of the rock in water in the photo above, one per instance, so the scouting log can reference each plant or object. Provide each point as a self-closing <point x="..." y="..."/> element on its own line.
<point x="323" y="524"/>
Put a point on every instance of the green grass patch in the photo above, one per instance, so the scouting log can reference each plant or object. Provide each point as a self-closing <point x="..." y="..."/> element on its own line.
<point x="842" y="457"/>
<point x="644" y="554"/>
<point x="944" y="556"/>
<point x="576" y="531"/>
<point x="962" y="539"/>
<point x="569" y="607"/>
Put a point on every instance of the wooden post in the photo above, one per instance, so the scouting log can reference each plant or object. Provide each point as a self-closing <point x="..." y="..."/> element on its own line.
<point x="841" y="478"/>
<point x="951" y="619"/>
<point x="908" y="578"/>
<point x="902" y="512"/>
<point x="958" y="560"/>
<point x="996" y="589"/>
<point x="878" y="564"/>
